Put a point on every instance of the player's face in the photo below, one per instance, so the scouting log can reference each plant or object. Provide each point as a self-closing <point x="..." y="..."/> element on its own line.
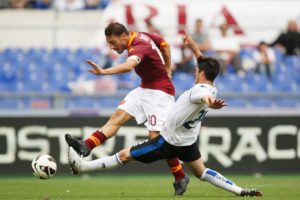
<point x="117" y="43"/>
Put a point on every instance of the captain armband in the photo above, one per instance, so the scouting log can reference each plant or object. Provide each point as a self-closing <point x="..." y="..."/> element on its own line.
<point x="134" y="57"/>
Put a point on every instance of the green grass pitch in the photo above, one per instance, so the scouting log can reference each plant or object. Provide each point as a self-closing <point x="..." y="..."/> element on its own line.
<point x="140" y="187"/>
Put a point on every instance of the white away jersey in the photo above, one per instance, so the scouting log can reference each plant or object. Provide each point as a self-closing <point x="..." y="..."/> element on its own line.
<point x="184" y="121"/>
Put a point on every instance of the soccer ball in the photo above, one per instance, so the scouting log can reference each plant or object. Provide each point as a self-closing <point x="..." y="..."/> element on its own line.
<point x="43" y="166"/>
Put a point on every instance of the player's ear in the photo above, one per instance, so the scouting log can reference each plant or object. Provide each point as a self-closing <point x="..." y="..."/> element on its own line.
<point x="203" y="74"/>
<point x="124" y="35"/>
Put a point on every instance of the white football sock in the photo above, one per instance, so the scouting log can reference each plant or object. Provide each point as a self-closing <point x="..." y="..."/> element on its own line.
<point x="101" y="163"/>
<point x="220" y="181"/>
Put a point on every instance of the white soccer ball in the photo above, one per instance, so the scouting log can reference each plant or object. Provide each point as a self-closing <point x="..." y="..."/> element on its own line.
<point x="44" y="166"/>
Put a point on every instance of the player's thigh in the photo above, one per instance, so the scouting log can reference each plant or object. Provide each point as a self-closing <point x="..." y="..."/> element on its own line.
<point x="119" y="117"/>
<point x="197" y="167"/>
<point x="150" y="150"/>
<point x="156" y="105"/>
<point x="188" y="153"/>
<point x="132" y="105"/>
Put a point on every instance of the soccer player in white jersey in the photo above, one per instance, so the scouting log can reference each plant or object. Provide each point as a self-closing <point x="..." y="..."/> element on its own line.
<point x="178" y="138"/>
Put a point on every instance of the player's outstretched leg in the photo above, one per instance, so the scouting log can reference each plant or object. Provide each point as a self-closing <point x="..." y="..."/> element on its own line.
<point x="79" y="146"/>
<point x="78" y="165"/>
<point x="74" y="161"/>
<point x="85" y="147"/>
<point x="220" y="181"/>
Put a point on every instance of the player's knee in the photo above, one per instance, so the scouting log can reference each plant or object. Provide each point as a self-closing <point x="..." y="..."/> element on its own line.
<point x="124" y="156"/>
<point x="199" y="173"/>
<point x="114" y="119"/>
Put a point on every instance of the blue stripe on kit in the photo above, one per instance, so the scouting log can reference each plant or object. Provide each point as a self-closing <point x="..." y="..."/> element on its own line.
<point x="148" y="148"/>
<point x="229" y="182"/>
<point x="211" y="172"/>
<point x="215" y="174"/>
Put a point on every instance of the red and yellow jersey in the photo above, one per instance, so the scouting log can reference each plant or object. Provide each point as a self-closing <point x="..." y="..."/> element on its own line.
<point x="144" y="47"/>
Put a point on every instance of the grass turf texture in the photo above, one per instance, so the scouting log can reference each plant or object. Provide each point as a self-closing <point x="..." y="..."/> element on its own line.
<point x="140" y="187"/>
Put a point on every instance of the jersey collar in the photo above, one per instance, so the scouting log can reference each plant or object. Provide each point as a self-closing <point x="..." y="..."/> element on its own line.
<point x="131" y="38"/>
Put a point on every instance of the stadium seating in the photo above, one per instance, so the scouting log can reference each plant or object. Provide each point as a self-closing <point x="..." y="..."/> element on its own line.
<point x="183" y="81"/>
<point x="46" y="71"/>
<point x="237" y="102"/>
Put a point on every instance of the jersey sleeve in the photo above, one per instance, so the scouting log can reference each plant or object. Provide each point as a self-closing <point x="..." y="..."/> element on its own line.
<point x="199" y="91"/>
<point x="157" y="39"/>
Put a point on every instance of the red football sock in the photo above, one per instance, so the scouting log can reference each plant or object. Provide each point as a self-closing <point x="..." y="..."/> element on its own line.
<point x="95" y="139"/>
<point x="176" y="168"/>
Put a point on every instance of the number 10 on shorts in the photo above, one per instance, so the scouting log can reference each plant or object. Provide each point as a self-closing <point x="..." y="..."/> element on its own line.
<point x="152" y="120"/>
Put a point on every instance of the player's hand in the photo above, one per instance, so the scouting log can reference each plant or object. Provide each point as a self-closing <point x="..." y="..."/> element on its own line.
<point x="217" y="104"/>
<point x="188" y="41"/>
<point x="96" y="69"/>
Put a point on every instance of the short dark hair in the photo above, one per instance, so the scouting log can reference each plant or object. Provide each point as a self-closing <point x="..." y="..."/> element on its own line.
<point x="116" y="29"/>
<point x="210" y="66"/>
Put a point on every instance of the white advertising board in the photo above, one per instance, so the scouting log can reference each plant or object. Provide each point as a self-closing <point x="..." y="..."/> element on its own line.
<point x="257" y="19"/>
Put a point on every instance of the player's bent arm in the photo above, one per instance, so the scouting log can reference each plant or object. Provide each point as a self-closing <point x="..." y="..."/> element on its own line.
<point x="122" y="68"/>
<point x="190" y="43"/>
<point x="166" y="53"/>
<point x="197" y="53"/>
<point x="213" y="103"/>
<point x="119" y="69"/>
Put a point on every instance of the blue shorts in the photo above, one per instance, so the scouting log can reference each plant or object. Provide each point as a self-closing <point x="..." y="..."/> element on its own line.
<point x="158" y="148"/>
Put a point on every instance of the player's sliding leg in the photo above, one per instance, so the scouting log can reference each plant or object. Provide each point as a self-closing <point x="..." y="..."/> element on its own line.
<point x="140" y="152"/>
<point x="78" y="165"/>
<point x="118" y="118"/>
<point x="217" y="179"/>
<point x="220" y="181"/>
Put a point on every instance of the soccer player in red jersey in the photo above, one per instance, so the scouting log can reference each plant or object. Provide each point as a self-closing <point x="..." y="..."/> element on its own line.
<point x="149" y="55"/>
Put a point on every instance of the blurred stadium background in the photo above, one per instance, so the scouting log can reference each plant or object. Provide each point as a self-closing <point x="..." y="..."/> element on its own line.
<point x="46" y="91"/>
